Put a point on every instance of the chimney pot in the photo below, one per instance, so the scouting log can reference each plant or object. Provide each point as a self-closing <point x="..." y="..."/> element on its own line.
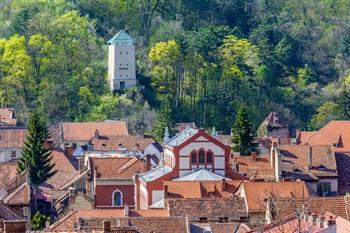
<point x="148" y="162"/>
<point x="69" y="151"/>
<point x="223" y="184"/>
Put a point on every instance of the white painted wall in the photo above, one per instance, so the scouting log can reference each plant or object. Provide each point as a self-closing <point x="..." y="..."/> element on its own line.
<point x="184" y="163"/>
<point x="152" y="150"/>
<point x="157" y="195"/>
<point x="201" y="138"/>
<point x="219" y="162"/>
<point x="121" y="65"/>
<point x="205" y="145"/>
<point x="185" y="172"/>
<point x="5" y="154"/>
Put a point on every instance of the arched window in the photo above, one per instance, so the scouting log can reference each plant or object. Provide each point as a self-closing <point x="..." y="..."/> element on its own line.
<point x="209" y="157"/>
<point x="117" y="198"/>
<point x="193" y="157"/>
<point x="201" y="156"/>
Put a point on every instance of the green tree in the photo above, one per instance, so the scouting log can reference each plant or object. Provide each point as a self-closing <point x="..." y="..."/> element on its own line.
<point x="165" y="118"/>
<point x="35" y="158"/>
<point x="326" y="112"/>
<point x="38" y="221"/>
<point x="242" y="132"/>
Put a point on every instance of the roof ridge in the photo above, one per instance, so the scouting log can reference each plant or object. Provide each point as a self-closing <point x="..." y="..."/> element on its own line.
<point x="126" y="165"/>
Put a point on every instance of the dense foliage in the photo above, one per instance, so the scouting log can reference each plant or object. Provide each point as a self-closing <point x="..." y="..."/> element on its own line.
<point x="204" y="59"/>
<point x="35" y="157"/>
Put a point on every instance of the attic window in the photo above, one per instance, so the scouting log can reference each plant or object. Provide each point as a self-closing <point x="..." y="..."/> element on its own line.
<point x="103" y="144"/>
<point x="322" y="167"/>
<point x="203" y="219"/>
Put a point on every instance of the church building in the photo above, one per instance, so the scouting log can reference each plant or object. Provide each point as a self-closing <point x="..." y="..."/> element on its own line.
<point x="191" y="155"/>
<point x="121" y="62"/>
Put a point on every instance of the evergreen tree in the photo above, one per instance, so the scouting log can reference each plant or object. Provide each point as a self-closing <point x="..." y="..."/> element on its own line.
<point x="242" y="133"/>
<point x="165" y="118"/>
<point x="35" y="157"/>
<point x="38" y="221"/>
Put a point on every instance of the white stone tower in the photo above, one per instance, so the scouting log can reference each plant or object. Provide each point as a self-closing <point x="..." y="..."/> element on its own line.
<point x="121" y="62"/>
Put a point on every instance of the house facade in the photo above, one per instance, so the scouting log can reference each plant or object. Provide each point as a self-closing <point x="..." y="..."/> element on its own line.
<point x="11" y="142"/>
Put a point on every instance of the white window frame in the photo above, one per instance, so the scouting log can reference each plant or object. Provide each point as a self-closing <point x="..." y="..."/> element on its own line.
<point x="121" y="198"/>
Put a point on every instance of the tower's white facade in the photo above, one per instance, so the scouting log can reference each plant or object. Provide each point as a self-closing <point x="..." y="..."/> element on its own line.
<point x="121" y="62"/>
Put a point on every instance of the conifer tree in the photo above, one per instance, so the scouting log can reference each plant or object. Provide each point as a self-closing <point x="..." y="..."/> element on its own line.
<point x="165" y="119"/>
<point x="35" y="157"/>
<point x="242" y="132"/>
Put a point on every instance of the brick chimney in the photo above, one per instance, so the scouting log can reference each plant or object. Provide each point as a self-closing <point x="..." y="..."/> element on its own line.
<point x="309" y="158"/>
<point x="137" y="191"/>
<point x="48" y="144"/>
<point x="97" y="134"/>
<point x="165" y="191"/>
<point x="148" y="162"/>
<point x="69" y="151"/>
<point x="278" y="171"/>
<point x="223" y="181"/>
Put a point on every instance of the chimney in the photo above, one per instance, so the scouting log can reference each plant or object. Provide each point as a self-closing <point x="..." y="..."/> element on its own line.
<point x="81" y="165"/>
<point x="278" y="171"/>
<point x="274" y="145"/>
<point x="309" y="158"/>
<point x="72" y="192"/>
<point x="166" y="138"/>
<point x="223" y="184"/>
<point x="48" y="144"/>
<point x="165" y="191"/>
<point x="137" y="191"/>
<point x="69" y="151"/>
<point x="106" y="225"/>
<point x="97" y="134"/>
<point x="126" y="210"/>
<point x="254" y="156"/>
<point x="148" y="162"/>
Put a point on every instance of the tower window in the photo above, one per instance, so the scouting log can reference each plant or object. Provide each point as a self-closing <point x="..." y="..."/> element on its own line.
<point x="126" y="52"/>
<point x="201" y="156"/>
<point x="120" y="52"/>
<point x="209" y="157"/>
<point x="193" y="157"/>
<point x="122" y="85"/>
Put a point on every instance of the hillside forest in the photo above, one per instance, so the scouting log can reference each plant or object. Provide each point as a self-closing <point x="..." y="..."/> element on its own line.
<point x="197" y="61"/>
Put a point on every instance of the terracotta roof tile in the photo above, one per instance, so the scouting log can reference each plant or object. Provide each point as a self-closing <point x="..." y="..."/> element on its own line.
<point x="256" y="192"/>
<point x="8" y="172"/>
<point x="12" y="137"/>
<point x="211" y="208"/>
<point x="116" y="167"/>
<point x="20" y="196"/>
<point x="70" y="220"/>
<point x="317" y="205"/>
<point x="198" y="189"/>
<point x="259" y="168"/>
<point x="84" y="131"/>
<point x="335" y="132"/>
<point x="65" y="170"/>
<point x="113" y="143"/>
<point x="323" y="163"/>
<point x="182" y="126"/>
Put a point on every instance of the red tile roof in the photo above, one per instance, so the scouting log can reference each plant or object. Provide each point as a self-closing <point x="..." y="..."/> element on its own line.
<point x="70" y="220"/>
<point x="335" y="132"/>
<point x="257" y="169"/>
<point x="13" y="137"/>
<point x="111" y="167"/>
<point x="65" y="170"/>
<point x="323" y="161"/>
<point x="113" y="143"/>
<point x="256" y="192"/>
<point x="7" y="214"/>
<point x="316" y="205"/>
<point x="84" y="131"/>
<point x="198" y="189"/>
<point x="19" y="197"/>
<point x="8" y="172"/>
